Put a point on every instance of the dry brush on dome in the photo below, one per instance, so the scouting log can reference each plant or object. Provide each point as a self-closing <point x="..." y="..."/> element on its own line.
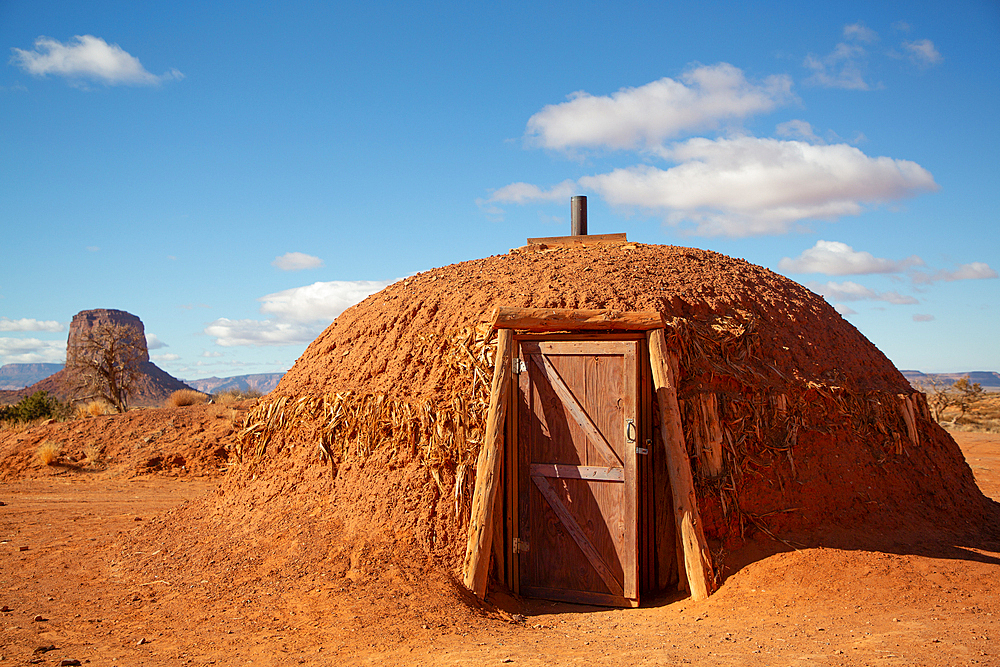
<point x="793" y="420"/>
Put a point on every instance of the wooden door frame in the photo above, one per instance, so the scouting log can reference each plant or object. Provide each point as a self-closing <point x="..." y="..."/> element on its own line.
<point x="493" y="462"/>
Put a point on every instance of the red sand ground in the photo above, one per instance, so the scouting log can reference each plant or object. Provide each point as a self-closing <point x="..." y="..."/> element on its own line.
<point x="125" y="569"/>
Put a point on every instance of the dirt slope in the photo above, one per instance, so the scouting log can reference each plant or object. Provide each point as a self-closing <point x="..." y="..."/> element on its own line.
<point x="190" y="440"/>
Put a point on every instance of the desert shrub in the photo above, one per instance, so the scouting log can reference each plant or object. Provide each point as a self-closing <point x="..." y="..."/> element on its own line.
<point x="982" y="415"/>
<point x="183" y="397"/>
<point x="92" y="409"/>
<point x="235" y="396"/>
<point x="36" y="407"/>
<point x="48" y="452"/>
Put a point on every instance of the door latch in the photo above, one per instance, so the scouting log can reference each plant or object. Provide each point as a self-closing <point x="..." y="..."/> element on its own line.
<point x="644" y="450"/>
<point x="518" y="365"/>
<point x="629" y="431"/>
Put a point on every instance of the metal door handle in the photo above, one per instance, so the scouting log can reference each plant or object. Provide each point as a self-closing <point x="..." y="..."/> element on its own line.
<point x="629" y="431"/>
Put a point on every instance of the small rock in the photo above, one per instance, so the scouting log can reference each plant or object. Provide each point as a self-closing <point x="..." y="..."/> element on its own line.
<point x="138" y="518"/>
<point x="69" y="663"/>
<point x="39" y="618"/>
<point x="2" y="504"/>
<point x="22" y="548"/>
<point x="142" y="640"/>
<point x="6" y="608"/>
<point x="45" y="649"/>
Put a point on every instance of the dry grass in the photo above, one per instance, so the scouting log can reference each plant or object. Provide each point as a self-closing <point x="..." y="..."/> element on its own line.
<point x="92" y="409"/>
<point x="183" y="397"/>
<point x="20" y="426"/>
<point x="93" y="453"/>
<point x="13" y="426"/>
<point x="48" y="452"/>
<point x="231" y="396"/>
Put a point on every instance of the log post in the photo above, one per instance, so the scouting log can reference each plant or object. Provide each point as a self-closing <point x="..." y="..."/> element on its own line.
<point x="478" y="548"/>
<point x="697" y="561"/>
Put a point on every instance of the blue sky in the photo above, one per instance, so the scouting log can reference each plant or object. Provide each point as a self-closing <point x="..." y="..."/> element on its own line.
<point x="236" y="174"/>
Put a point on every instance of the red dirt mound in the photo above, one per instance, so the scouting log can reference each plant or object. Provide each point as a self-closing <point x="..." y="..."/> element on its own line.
<point x="838" y="456"/>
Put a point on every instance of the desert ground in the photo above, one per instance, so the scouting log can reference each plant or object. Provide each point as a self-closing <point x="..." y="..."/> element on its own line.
<point x="106" y="557"/>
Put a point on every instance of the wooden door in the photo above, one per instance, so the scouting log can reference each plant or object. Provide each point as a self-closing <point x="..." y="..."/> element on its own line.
<point x="576" y="439"/>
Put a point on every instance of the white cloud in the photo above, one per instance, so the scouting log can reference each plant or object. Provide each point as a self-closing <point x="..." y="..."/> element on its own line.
<point x="230" y="333"/>
<point x="971" y="271"/>
<point x="523" y="193"/>
<point x="839" y="259"/>
<point x="844" y="67"/>
<point x="27" y="324"/>
<point x="153" y="342"/>
<point x="923" y="53"/>
<point x="166" y="357"/>
<point x="923" y="318"/>
<point x="297" y="315"/>
<point x="296" y="261"/>
<point x="32" y="351"/>
<point x="798" y="129"/>
<point x="645" y="116"/>
<point x="211" y="354"/>
<point x="844" y="309"/>
<point x="319" y="302"/>
<point x="87" y="57"/>
<point x="851" y="291"/>
<point x="750" y="186"/>
<point x="860" y="32"/>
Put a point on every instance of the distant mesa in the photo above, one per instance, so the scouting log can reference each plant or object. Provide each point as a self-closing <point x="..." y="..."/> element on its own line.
<point x="19" y="376"/>
<point x="262" y="382"/>
<point x="988" y="380"/>
<point x="152" y="386"/>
